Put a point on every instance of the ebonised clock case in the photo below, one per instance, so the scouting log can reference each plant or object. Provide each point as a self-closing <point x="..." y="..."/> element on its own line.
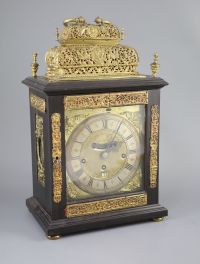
<point x="50" y="215"/>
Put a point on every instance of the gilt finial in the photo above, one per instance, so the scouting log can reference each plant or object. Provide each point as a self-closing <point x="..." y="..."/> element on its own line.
<point x="155" y="65"/>
<point x="34" y="65"/>
<point x="98" y="20"/>
<point x="57" y="33"/>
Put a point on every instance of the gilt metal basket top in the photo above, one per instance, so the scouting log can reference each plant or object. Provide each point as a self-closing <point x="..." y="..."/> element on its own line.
<point x="90" y="51"/>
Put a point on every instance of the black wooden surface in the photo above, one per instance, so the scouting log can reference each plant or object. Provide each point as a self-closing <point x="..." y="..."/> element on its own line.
<point x="92" y="222"/>
<point x="42" y="194"/>
<point x="152" y="194"/>
<point x="93" y="86"/>
<point x="50" y="214"/>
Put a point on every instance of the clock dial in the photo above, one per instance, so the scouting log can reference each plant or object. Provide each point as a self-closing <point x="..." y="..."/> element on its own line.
<point x="103" y="153"/>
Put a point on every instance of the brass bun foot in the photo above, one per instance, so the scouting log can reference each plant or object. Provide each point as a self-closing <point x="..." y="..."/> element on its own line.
<point x="53" y="237"/>
<point x="159" y="219"/>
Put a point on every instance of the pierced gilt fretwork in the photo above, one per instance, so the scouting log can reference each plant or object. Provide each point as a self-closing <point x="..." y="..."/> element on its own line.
<point x="154" y="146"/>
<point x="105" y="100"/>
<point x="40" y="149"/>
<point x="38" y="103"/>
<point x="81" y="62"/>
<point x="56" y="157"/>
<point x="96" y="207"/>
<point x="91" y="51"/>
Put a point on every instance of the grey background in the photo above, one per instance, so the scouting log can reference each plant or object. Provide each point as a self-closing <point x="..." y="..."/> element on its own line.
<point x="173" y="29"/>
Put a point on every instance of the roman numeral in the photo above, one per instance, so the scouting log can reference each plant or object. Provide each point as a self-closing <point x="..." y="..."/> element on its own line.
<point x="131" y="151"/>
<point x="78" y="173"/>
<point x="90" y="182"/>
<point x="75" y="158"/>
<point x="130" y="136"/>
<point x="129" y="166"/>
<point x="105" y="123"/>
<point x="77" y="141"/>
<point x="105" y="186"/>
<point x="119" y="179"/>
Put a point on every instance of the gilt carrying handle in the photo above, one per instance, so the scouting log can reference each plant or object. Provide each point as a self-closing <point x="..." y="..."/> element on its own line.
<point x="79" y="20"/>
<point x="82" y="21"/>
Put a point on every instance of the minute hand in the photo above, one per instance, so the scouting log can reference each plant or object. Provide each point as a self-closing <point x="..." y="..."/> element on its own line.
<point x="116" y="131"/>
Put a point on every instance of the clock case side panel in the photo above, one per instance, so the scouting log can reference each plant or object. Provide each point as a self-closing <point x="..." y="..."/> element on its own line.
<point x="152" y="193"/>
<point x="41" y="193"/>
<point x="44" y="194"/>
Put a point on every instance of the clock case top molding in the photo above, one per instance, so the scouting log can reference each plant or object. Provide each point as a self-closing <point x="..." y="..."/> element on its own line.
<point x="51" y="215"/>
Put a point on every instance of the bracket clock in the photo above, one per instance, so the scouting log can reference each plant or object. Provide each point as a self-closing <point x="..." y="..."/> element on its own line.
<point x="95" y="132"/>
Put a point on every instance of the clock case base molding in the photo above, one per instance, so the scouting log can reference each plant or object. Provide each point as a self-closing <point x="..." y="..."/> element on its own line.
<point x="69" y="226"/>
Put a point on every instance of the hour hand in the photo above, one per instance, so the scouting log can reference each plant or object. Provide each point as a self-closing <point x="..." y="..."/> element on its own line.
<point x="98" y="146"/>
<point x="107" y="146"/>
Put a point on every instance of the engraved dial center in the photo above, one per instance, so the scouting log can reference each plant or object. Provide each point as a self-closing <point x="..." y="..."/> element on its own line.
<point x="105" y="154"/>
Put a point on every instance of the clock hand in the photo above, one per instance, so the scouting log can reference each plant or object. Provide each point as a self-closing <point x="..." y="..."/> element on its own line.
<point x="106" y="146"/>
<point x="116" y="131"/>
<point x="113" y="143"/>
<point x="98" y="146"/>
<point x="115" y="147"/>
